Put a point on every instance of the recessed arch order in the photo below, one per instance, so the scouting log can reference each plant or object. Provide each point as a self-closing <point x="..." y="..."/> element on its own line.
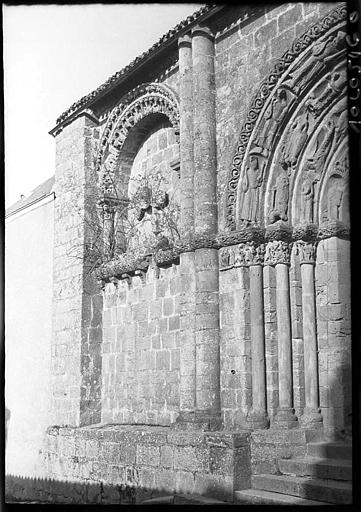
<point x="295" y="126"/>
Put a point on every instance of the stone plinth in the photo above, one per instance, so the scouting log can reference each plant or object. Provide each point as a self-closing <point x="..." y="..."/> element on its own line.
<point x="153" y="459"/>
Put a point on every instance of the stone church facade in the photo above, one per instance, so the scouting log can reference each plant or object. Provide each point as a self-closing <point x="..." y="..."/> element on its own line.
<point x="215" y="359"/>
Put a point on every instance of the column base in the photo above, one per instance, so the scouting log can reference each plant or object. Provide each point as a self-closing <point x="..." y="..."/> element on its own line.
<point x="311" y="417"/>
<point x="198" y="420"/>
<point x="286" y="418"/>
<point x="257" y="419"/>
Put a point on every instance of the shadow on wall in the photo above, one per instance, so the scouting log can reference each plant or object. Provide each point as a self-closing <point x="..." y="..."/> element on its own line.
<point x="340" y="396"/>
<point x="47" y="490"/>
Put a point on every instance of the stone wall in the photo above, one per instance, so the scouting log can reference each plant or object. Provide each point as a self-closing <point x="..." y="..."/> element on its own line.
<point x="28" y="330"/>
<point x="141" y="341"/>
<point x="211" y="464"/>
<point x="236" y="377"/>
<point x="183" y="342"/>
<point x="75" y="387"/>
<point x="333" y="299"/>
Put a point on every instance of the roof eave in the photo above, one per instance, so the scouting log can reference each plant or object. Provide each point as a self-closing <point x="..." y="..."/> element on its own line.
<point x="82" y="109"/>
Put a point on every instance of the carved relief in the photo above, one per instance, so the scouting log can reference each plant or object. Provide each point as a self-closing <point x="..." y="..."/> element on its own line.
<point x="295" y="141"/>
<point x="335" y="82"/>
<point x="306" y="251"/>
<point x="280" y="197"/>
<point x="272" y="118"/>
<point x="252" y="180"/>
<point x="243" y="255"/>
<point x="143" y="100"/>
<point x="226" y="259"/>
<point x="240" y="256"/>
<point x="336" y="194"/>
<point x="323" y="53"/>
<point x="108" y="174"/>
<point x="254" y="254"/>
<point x="307" y="195"/>
<point x="151" y="203"/>
<point x="272" y="108"/>
<point x="276" y="252"/>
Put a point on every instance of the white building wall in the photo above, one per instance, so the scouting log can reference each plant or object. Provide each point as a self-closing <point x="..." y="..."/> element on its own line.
<point x="28" y="317"/>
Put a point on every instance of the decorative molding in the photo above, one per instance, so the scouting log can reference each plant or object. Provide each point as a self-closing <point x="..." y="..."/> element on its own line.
<point x="287" y="90"/>
<point x="277" y="252"/>
<point x="333" y="228"/>
<point x="278" y="231"/>
<point x="246" y="247"/>
<point x="306" y="232"/>
<point x="306" y="251"/>
<point x="242" y="255"/>
<point x="145" y="99"/>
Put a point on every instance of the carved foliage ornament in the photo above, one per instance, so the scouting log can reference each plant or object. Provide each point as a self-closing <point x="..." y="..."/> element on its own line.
<point x="286" y="96"/>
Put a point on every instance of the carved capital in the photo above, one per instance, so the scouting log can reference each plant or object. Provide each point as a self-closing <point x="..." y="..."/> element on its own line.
<point x="277" y="252"/>
<point x="249" y="254"/>
<point x="226" y="258"/>
<point x="306" y="252"/>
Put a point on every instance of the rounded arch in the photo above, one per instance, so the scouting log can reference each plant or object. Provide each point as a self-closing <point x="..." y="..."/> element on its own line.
<point x="277" y="141"/>
<point x="128" y="123"/>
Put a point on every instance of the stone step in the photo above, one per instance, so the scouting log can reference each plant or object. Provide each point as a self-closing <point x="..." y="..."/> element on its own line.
<point x="335" y="469"/>
<point x="331" y="450"/>
<point x="309" y="488"/>
<point x="259" y="497"/>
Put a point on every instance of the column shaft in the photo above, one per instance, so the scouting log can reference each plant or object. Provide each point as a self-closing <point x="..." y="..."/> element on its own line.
<point x="310" y="344"/>
<point x="257" y="417"/>
<point x="207" y="334"/>
<point x="205" y="216"/>
<point x="285" y="414"/>
<point x="312" y="414"/>
<point x="186" y="135"/>
<point x="205" y="179"/>
<point x="187" y="382"/>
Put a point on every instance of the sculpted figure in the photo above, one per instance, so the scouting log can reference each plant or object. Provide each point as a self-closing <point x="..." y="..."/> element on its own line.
<point x="322" y="56"/>
<point x="251" y="182"/>
<point x="272" y="118"/>
<point x="307" y="199"/>
<point x="334" y="200"/>
<point x="227" y="257"/>
<point x="329" y="48"/>
<point x="280" y="197"/>
<point x="323" y="148"/>
<point x="297" y="138"/>
<point x="335" y="83"/>
<point x="240" y="256"/>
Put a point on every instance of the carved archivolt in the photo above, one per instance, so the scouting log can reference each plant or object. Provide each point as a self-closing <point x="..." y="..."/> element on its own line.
<point x="142" y="101"/>
<point x="297" y="119"/>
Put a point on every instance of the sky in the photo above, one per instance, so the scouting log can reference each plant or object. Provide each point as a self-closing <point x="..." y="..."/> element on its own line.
<point x="54" y="55"/>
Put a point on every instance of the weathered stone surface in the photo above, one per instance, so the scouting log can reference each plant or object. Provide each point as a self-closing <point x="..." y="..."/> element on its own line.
<point x="245" y="319"/>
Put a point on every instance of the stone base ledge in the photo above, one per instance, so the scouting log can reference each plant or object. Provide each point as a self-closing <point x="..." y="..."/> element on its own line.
<point x="158" y="459"/>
